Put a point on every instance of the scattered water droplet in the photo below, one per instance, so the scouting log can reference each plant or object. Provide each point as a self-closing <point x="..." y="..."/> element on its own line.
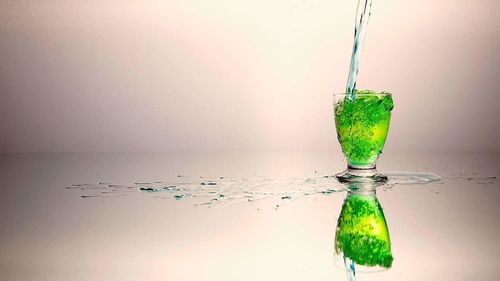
<point x="90" y="196"/>
<point x="242" y="189"/>
<point x="117" y="185"/>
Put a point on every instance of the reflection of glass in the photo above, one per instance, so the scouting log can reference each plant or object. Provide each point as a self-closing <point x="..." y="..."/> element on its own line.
<point x="362" y="237"/>
<point x="362" y="123"/>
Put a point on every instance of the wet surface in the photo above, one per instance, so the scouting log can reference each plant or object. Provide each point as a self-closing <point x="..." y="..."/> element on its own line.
<point x="238" y="217"/>
<point x="219" y="190"/>
<point x="233" y="190"/>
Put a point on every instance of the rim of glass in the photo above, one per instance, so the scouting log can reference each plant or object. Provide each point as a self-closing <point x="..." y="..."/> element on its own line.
<point x="364" y="94"/>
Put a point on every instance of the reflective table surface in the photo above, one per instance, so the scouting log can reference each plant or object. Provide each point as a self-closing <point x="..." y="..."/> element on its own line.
<point x="237" y="216"/>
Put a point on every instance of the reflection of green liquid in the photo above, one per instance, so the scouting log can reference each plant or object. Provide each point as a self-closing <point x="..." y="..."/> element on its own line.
<point x="362" y="125"/>
<point x="362" y="234"/>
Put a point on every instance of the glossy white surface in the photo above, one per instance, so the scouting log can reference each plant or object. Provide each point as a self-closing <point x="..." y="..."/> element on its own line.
<point x="439" y="231"/>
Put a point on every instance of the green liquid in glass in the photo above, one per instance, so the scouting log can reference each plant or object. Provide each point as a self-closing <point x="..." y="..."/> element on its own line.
<point x="362" y="233"/>
<point x="362" y="125"/>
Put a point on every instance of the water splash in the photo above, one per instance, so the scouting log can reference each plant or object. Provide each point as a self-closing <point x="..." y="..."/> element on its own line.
<point x="210" y="191"/>
<point x="219" y="190"/>
<point x="363" y="13"/>
<point x="410" y="178"/>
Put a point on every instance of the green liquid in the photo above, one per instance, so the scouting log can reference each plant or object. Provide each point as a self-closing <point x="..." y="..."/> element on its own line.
<point x="362" y="124"/>
<point x="362" y="234"/>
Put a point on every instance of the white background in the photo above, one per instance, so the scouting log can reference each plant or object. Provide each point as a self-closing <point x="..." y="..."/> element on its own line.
<point x="241" y="75"/>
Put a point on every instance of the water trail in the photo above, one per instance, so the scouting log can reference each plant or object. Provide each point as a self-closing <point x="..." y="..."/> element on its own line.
<point x="350" y="269"/>
<point x="363" y="13"/>
<point x="220" y="190"/>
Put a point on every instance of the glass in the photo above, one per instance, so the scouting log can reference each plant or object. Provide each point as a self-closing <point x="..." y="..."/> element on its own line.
<point x="362" y="238"/>
<point x="362" y="123"/>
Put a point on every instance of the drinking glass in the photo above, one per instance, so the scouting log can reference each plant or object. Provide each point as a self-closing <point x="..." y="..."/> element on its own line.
<point x="362" y="122"/>
<point x="362" y="241"/>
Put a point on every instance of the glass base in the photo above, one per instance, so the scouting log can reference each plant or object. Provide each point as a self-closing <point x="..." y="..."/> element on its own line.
<point x="361" y="175"/>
